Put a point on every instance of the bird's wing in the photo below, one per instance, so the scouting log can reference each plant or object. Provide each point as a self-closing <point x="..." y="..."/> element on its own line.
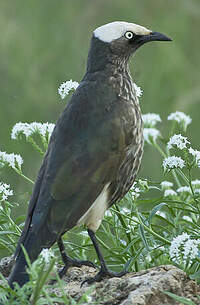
<point x="84" y="154"/>
<point x="32" y="204"/>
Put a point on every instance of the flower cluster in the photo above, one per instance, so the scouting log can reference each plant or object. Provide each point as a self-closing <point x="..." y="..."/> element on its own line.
<point x="178" y="141"/>
<point x="135" y="191"/>
<point x="196" y="154"/>
<point x="181" y="118"/>
<point x="184" y="189"/>
<point x="173" y="162"/>
<point x="28" y="129"/>
<point x="12" y="160"/>
<point x="170" y="193"/>
<point x="138" y="90"/>
<point x="46" y="255"/>
<point x="66" y="87"/>
<point x="150" y="119"/>
<point x="5" y="191"/>
<point x="183" y="249"/>
<point x="166" y="185"/>
<point x="151" y="135"/>
<point x="196" y="183"/>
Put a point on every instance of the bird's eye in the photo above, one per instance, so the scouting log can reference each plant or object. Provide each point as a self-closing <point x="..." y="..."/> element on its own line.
<point x="129" y="35"/>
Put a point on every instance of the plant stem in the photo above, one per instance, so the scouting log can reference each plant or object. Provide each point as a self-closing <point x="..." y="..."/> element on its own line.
<point x="192" y="190"/>
<point x="36" y="146"/>
<point x="22" y="175"/>
<point x="127" y="234"/>
<point x="176" y="178"/>
<point x="183" y="175"/>
<point x="151" y="231"/>
<point x="160" y="150"/>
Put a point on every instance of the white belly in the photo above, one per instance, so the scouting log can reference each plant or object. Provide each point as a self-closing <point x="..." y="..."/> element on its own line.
<point x="93" y="217"/>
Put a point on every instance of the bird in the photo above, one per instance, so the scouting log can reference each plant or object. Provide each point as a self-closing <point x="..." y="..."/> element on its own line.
<point x="94" y="153"/>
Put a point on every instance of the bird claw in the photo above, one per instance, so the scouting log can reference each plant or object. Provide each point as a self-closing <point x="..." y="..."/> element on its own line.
<point x="102" y="274"/>
<point x="75" y="263"/>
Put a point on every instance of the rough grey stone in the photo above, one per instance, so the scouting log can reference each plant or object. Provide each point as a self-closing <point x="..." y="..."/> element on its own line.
<point x="136" y="288"/>
<point x="142" y="288"/>
<point x="6" y="264"/>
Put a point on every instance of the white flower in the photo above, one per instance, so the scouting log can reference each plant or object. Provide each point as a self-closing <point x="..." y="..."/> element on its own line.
<point x="138" y="90"/>
<point x="183" y="249"/>
<point x="5" y="191"/>
<point x="196" y="183"/>
<point x="177" y="140"/>
<point x="19" y="128"/>
<point x="41" y="128"/>
<point x="143" y="184"/>
<point x="134" y="219"/>
<point x="166" y="185"/>
<point x="150" y="135"/>
<point x="187" y="218"/>
<point x="191" y="249"/>
<point x="108" y="213"/>
<point x="125" y="210"/>
<point x="184" y="189"/>
<point x="135" y="191"/>
<point x="123" y="242"/>
<point x="196" y="154"/>
<point x="66" y="87"/>
<point x="162" y="214"/>
<point x="28" y="129"/>
<point x="197" y="192"/>
<point x="173" y="162"/>
<point x="88" y="299"/>
<point x="47" y="254"/>
<point x="150" y="119"/>
<point x="170" y="193"/>
<point x="180" y="117"/>
<point x="11" y="160"/>
<point x="196" y="186"/>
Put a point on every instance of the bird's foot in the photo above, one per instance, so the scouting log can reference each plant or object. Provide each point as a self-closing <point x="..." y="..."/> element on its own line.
<point x="74" y="263"/>
<point x="102" y="274"/>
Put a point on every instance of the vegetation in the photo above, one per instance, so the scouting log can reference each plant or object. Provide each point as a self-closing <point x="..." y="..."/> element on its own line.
<point x="46" y="42"/>
<point x="142" y="231"/>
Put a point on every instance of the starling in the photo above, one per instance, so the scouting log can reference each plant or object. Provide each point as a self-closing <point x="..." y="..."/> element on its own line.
<point x="94" y="152"/>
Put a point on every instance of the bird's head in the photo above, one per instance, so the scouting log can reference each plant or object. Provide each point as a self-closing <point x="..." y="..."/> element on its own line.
<point x="121" y="39"/>
<point x="126" y="37"/>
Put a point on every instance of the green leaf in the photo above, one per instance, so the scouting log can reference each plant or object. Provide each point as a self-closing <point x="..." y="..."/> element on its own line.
<point x="182" y="300"/>
<point x="196" y="276"/>
<point x="142" y="234"/>
<point x="156" y="209"/>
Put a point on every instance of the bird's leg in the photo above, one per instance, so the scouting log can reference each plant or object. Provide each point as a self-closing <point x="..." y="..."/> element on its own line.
<point x="69" y="262"/>
<point x="104" y="271"/>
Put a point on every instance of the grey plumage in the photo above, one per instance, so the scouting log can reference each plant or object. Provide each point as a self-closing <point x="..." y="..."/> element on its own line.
<point x="95" y="150"/>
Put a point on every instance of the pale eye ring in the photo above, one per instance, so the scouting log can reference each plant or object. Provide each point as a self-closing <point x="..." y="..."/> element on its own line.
<point x="129" y="35"/>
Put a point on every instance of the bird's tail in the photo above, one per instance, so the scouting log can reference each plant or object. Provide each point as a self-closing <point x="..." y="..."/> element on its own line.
<point x="19" y="273"/>
<point x="33" y="244"/>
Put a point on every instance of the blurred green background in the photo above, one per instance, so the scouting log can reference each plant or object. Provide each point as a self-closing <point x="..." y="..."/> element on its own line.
<point x="44" y="43"/>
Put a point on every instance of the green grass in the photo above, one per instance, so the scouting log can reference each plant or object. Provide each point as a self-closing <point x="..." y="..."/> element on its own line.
<point x="136" y="234"/>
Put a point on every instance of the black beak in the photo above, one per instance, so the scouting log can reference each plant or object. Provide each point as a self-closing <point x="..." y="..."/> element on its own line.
<point x="139" y="40"/>
<point x="156" y="36"/>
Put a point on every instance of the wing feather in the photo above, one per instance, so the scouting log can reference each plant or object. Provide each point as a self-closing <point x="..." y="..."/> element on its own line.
<point x="84" y="154"/>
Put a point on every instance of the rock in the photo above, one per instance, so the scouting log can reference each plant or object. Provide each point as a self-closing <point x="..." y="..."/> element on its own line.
<point x="136" y="288"/>
<point x="141" y="288"/>
<point x="6" y="264"/>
